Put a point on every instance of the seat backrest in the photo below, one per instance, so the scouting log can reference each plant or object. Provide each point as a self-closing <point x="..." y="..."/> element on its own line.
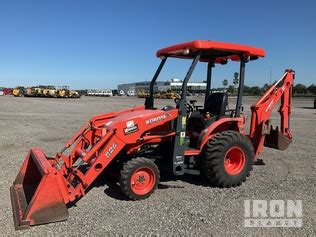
<point x="216" y="104"/>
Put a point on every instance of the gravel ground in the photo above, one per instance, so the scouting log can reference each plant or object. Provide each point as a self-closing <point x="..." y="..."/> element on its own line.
<point x="183" y="206"/>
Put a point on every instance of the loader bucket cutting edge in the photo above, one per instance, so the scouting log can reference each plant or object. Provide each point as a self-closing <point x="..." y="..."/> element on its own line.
<point x="36" y="197"/>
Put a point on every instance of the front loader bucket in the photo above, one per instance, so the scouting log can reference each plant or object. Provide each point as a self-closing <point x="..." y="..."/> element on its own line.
<point x="35" y="194"/>
<point x="277" y="140"/>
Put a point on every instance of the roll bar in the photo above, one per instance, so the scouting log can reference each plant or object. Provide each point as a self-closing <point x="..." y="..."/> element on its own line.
<point x="149" y="102"/>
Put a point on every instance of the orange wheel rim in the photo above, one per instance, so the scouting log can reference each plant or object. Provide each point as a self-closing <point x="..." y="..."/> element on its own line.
<point x="235" y="160"/>
<point x="143" y="180"/>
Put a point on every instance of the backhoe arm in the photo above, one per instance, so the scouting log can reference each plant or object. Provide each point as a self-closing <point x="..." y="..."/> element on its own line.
<point x="260" y="131"/>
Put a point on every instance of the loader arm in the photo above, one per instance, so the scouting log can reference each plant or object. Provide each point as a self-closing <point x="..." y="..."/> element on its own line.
<point x="261" y="133"/>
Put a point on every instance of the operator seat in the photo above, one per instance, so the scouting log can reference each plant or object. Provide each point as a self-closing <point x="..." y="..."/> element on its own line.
<point x="215" y="108"/>
<point x="216" y="104"/>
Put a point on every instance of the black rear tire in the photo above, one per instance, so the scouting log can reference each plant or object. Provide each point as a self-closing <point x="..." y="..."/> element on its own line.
<point x="227" y="159"/>
<point x="139" y="178"/>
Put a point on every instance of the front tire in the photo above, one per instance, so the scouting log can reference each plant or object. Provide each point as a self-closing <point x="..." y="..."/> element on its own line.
<point x="227" y="159"/>
<point x="139" y="178"/>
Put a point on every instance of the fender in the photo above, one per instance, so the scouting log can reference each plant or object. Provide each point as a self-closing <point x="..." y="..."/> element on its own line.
<point x="224" y="124"/>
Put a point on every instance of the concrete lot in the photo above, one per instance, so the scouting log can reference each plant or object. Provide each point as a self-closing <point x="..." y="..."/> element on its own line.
<point x="182" y="206"/>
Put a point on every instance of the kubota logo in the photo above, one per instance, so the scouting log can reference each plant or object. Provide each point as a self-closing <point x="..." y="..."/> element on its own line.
<point x="156" y="119"/>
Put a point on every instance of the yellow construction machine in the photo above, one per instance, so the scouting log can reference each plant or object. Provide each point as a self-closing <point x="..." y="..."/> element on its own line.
<point x="19" y="91"/>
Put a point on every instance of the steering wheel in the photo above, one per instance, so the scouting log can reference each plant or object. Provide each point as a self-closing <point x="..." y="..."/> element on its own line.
<point x="190" y="107"/>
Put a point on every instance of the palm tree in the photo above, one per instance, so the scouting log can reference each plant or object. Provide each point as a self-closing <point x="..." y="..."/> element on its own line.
<point x="225" y="83"/>
<point x="236" y="79"/>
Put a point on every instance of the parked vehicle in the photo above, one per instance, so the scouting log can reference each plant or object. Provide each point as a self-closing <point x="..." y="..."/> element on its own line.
<point x="131" y="93"/>
<point x="106" y="93"/>
<point x="19" y="91"/>
<point x="74" y="94"/>
<point x="142" y="94"/>
<point x="7" y="91"/>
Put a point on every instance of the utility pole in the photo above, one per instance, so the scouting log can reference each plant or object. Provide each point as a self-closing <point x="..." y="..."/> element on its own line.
<point x="270" y="74"/>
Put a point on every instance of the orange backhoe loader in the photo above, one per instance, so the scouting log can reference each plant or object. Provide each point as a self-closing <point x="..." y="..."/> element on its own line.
<point x="208" y="139"/>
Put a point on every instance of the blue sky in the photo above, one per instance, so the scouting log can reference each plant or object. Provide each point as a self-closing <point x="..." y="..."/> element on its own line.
<point x="99" y="44"/>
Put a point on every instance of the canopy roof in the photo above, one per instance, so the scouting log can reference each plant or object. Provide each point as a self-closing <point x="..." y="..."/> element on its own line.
<point x="220" y="52"/>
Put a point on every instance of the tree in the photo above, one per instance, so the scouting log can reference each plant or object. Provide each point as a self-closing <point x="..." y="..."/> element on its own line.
<point x="231" y="90"/>
<point x="312" y="89"/>
<point x="236" y="79"/>
<point x="246" y="90"/>
<point x="225" y="83"/>
<point x="299" y="89"/>
<point x="265" y="87"/>
<point x="254" y="90"/>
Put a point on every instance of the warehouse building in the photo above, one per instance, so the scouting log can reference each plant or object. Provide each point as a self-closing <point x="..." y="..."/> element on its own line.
<point x="127" y="87"/>
<point x="173" y="85"/>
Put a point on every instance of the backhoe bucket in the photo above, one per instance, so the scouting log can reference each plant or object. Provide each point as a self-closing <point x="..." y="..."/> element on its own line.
<point x="277" y="140"/>
<point x="36" y="195"/>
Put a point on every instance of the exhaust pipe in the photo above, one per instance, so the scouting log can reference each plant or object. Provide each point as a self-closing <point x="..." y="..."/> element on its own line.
<point x="36" y="193"/>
